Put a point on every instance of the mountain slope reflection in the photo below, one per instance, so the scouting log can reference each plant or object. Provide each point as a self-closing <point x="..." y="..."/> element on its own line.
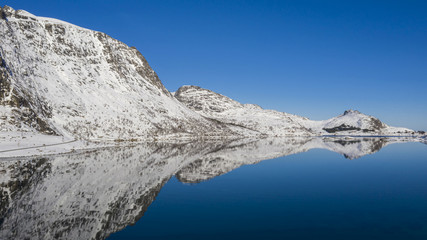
<point x="91" y="195"/>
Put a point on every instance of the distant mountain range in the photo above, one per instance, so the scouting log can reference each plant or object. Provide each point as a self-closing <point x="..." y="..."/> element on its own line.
<point x="60" y="79"/>
<point x="273" y="123"/>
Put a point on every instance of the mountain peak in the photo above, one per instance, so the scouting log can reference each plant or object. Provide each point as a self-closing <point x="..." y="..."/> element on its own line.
<point x="7" y="11"/>
<point x="7" y="7"/>
<point x="351" y="111"/>
<point x="187" y="87"/>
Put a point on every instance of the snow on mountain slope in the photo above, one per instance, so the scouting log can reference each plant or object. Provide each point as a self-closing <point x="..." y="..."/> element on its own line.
<point x="274" y="123"/>
<point x="250" y="116"/>
<point x="59" y="78"/>
<point x="352" y="122"/>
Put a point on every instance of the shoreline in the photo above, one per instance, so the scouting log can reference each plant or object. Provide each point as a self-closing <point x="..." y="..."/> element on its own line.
<point x="56" y="145"/>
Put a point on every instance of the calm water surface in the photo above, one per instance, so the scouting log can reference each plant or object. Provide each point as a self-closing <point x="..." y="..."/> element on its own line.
<point x="328" y="189"/>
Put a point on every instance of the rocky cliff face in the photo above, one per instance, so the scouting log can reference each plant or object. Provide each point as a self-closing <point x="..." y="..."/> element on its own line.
<point x="17" y="112"/>
<point x="59" y="78"/>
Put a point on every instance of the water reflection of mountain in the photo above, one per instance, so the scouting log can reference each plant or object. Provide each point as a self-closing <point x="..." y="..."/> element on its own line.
<point x="91" y="195"/>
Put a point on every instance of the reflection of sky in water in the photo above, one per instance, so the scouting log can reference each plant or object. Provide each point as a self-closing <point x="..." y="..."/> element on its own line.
<point x="312" y="195"/>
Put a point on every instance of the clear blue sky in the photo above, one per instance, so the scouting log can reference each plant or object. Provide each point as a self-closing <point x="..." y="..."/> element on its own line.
<point x="311" y="58"/>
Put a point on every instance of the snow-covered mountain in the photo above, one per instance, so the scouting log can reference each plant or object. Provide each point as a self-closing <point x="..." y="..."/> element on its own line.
<point x="60" y="79"/>
<point x="93" y="194"/>
<point x="221" y="108"/>
<point x="352" y="122"/>
<point x="273" y="123"/>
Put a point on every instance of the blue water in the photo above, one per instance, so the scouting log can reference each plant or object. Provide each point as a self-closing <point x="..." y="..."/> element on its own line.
<point x="312" y="195"/>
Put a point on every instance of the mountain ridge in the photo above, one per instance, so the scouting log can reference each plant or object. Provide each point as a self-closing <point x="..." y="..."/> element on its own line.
<point x="275" y="123"/>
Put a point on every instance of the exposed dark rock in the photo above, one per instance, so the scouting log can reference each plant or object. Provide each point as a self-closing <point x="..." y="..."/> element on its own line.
<point x="340" y="128"/>
<point x="346" y="112"/>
